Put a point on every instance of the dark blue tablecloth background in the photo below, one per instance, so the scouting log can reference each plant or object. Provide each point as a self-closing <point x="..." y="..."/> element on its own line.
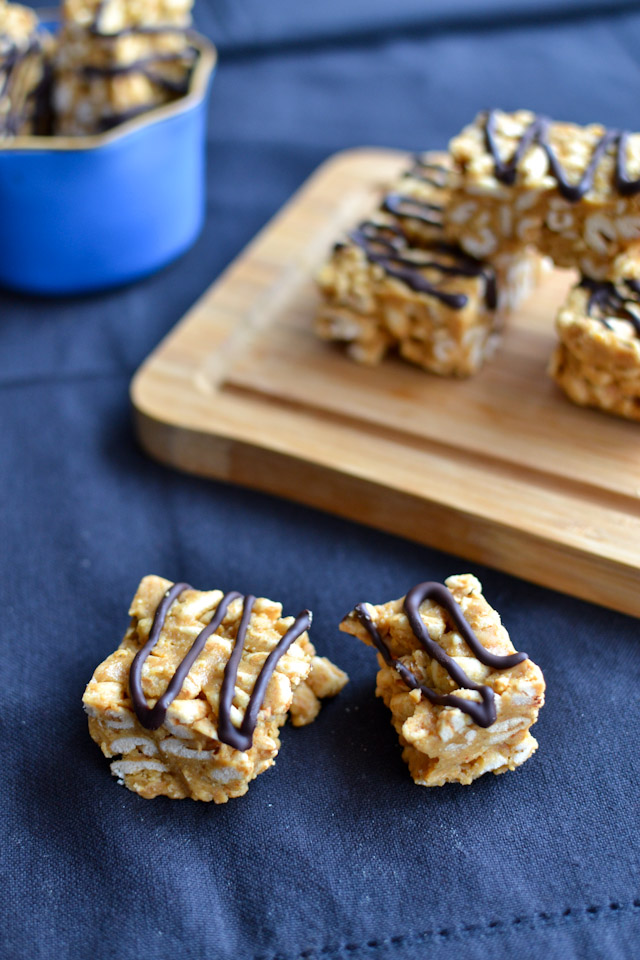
<point x="334" y="853"/>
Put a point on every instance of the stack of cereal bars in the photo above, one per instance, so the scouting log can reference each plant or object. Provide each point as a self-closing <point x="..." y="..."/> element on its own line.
<point x="395" y="282"/>
<point x="111" y="61"/>
<point x="24" y="72"/>
<point x="119" y="58"/>
<point x="459" y="240"/>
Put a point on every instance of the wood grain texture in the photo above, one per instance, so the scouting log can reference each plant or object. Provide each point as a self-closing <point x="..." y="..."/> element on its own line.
<point x="500" y="469"/>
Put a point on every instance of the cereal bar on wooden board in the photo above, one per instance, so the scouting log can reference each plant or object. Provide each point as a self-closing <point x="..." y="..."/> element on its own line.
<point x="436" y="306"/>
<point x="191" y="703"/>
<point x="25" y="50"/>
<point x="571" y="191"/>
<point x="394" y="283"/>
<point x="597" y="360"/>
<point x="461" y="700"/>
<point x="119" y="58"/>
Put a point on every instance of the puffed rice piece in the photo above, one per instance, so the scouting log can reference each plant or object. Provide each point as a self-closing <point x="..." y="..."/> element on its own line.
<point x="184" y="756"/>
<point x="597" y="359"/>
<point x="441" y="743"/>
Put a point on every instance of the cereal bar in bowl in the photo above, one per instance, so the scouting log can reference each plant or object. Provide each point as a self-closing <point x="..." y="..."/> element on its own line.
<point x="118" y="59"/>
<point x="25" y="73"/>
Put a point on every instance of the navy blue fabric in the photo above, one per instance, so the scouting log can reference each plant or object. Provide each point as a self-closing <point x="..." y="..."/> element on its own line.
<point x="334" y="853"/>
<point x="256" y="24"/>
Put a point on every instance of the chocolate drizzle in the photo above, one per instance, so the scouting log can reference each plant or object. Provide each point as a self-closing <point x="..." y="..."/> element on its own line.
<point x="608" y="301"/>
<point x="154" y="717"/>
<point x="435" y="174"/>
<point x="387" y="246"/>
<point x="405" y="206"/>
<point x="242" y="738"/>
<point x="537" y="133"/>
<point x="483" y="713"/>
<point x="143" y="66"/>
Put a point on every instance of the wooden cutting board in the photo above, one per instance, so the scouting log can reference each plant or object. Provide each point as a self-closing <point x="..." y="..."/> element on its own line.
<point x="499" y="469"/>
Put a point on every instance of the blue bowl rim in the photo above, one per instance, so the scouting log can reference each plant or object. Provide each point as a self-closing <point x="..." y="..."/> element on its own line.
<point x="198" y="86"/>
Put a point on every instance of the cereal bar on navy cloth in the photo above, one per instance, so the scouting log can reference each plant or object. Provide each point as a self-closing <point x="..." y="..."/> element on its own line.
<point x="197" y="713"/>
<point x="118" y="59"/>
<point x="461" y="699"/>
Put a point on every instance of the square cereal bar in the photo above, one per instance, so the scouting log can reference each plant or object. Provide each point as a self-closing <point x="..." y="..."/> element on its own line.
<point x="191" y="702"/>
<point x="461" y="700"/>
<point x="572" y="191"/>
<point x="597" y="360"/>
<point x="436" y="306"/>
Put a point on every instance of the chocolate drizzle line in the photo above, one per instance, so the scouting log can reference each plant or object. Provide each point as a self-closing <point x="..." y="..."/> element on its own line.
<point x="154" y="717"/>
<point x="484" y="713"/>
<point x="405" y="206"/>
<point x="606" y="301"/>
<point x="537" y="133"/>
<point x="242" y="738"/>
<point x="386" y="245"/>
<point x="141" y="66"/>
<point x="435" y="174"/>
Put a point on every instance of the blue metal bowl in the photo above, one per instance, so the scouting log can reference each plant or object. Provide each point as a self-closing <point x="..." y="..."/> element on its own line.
<point x="87" y="213"/>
